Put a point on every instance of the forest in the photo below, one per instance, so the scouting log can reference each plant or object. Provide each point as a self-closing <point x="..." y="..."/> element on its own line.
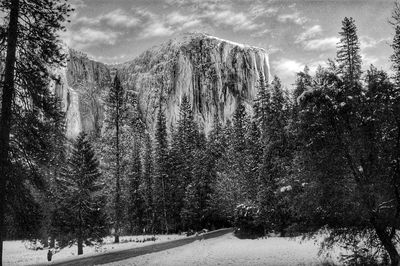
<point x="325" y="154"/>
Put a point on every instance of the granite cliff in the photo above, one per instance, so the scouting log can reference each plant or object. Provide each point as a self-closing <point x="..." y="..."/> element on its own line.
<point x="212" y="72"/>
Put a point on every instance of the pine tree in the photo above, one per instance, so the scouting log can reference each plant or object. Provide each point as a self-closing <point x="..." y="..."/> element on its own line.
<point x="136" y="199"/>
<point x="32" y="48"/>
<point x="136" y="203"/>
<point x="146" y="186"/>
<point x="113" y="146"/>
<point x="161" y="182"/>
<point x="348" y="52"/>
<point x="274" y="155"/>
<point x="185" y="140"/>
<point x="80" y="215"/>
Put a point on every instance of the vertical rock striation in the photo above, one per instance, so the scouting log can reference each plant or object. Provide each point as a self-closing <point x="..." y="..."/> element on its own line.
<point x="214" y="73"/>
<point x="81" y="86"/>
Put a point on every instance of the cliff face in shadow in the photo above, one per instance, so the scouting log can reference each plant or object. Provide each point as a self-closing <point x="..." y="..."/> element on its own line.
<point x="213" y="73"/>
<point x="81" y="85"/>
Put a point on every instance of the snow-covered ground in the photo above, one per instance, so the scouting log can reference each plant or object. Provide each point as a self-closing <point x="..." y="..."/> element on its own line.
<point x="15" y="252"/>
<point x="229" y="250"/>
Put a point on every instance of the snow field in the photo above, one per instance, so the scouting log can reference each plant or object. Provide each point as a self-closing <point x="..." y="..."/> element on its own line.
<point x="229" y="250"/>
<point x="15" y="252"/>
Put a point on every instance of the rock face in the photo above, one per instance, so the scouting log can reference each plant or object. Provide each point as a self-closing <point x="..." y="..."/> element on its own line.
<point x="81" y="85"/>
<point x="213" y="73"/>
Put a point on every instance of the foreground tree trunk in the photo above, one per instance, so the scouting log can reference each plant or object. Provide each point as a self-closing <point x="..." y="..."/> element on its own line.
<point x="6" y="117"/>
<point x="80" y="246"/>
<point x="117" y="179"/>
<point x="387" y="243"/>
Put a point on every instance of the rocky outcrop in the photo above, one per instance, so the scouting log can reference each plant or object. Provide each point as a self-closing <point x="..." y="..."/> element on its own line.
<point x="213" y="73"/>
<point x="81" y="85"/>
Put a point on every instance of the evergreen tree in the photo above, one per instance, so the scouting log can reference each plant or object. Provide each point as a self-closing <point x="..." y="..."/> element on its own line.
<point x="184" y="142"/>
<point x="233" y="166"/>
<point x="113" y="147"/>
<point x="80" y="215"/>
<point x="348" y="52"/>
<point x="146" y="186"/>
<point x="29" y="37"/>
<point x="274" y="156"/>
<point x="161" y="182"/>
<point x="136" y="203"/>
<point x="349" y="155"/>
<point x="136" y="198"/>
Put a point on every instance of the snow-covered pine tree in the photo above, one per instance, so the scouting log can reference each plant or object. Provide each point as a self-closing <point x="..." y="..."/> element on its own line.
<point x="184" y="142"/>
<point x="80" y="215"/>
<point x="161" y="180"/>
<point x="348" y="52"/>
<point x="113" y="137"/>
<point x="31" y="48"/>
<point x="136" y="207"/>
<point x="146" y="186"/>
<point x="135" y="203"/>
<point x="275" y="155"/>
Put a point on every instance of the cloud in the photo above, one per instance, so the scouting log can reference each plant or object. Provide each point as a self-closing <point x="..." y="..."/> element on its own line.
<point x="116" y="18"/>
<point x="293" y="17"/>
<point x="77" y="4"/>
<point x="120" y="18"/>
<point x="287" y="67"/>
<point x="215" y="13"/>
<point x="309" y="33"/>
<point x="156" y="29"/>
<point x="85" y="37"/>
<point x="368" y="42"/>
<point x="368" y="59"/>
<point x="238" y="21"/>
<point x="321" y="44"/>
<point x="261" y="33"/>
<point x="259" y="10"/>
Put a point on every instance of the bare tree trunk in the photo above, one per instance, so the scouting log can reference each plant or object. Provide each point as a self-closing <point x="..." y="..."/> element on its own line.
<point x="117" y="181"/>
<point x="6" y="113"/>
<point x="164" y="205"/>
<point x="387" y="243"/>
<point x="52" y="241"/>
<point x="80" y="246"/>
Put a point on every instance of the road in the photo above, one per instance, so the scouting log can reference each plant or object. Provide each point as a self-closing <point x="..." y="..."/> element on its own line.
<point x="99" y="259"/>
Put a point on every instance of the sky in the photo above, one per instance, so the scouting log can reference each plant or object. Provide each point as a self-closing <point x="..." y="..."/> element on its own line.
<point x="294" y="33"/>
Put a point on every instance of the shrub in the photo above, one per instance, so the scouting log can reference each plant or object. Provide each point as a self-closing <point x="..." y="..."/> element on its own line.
<point x="246" y="221"/>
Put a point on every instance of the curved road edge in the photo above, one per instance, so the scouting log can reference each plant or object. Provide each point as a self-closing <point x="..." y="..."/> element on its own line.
<point x="113" y="256"/>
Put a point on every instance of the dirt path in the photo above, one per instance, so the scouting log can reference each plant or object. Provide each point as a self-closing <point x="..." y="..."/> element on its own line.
<point x="129" y="253"/>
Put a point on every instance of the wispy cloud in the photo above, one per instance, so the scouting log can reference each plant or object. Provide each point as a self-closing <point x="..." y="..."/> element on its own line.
<point x="236" y="20"/>
<point x="156" y="29"/>
<point x="261" y="33"/>
<point x="258" y="10"/>
<point x="321" y="44"/>
<point x="115" y="18"/>
<point x="368" y="59"/>
<point x="77" y="4"/>
<point x="287" y="68"/>
<point x="85" y="37"/>
<point x="369" y="42"/>
<point x="293" y="17"/>
<point x="309" y="33"/>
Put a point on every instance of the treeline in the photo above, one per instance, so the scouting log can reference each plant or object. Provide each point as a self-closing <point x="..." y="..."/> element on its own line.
<point x="324" y="155"/>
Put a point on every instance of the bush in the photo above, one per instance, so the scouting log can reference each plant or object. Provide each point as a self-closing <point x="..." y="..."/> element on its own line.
<point x="246" y="217"/>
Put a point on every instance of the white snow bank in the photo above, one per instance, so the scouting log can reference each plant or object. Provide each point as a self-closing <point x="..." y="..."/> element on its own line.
<point x="229" y="250"/>
<point x="15" y="252"/>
